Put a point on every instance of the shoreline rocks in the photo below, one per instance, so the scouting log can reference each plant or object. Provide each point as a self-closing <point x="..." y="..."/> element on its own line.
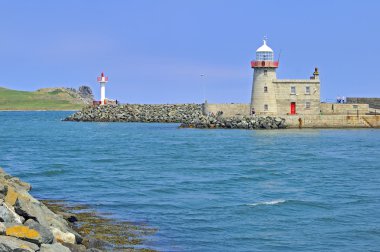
<point x="27" y="224"/>
<point x="188" y="115"/>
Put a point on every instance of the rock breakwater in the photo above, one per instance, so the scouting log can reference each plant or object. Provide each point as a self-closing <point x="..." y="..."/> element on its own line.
<point x="188" y="115"/>
<point x="253" y="122"/>
<point x="169" y="113"/>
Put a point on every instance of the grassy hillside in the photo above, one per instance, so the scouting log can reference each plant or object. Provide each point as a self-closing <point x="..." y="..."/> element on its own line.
<point x="43" y="99"/>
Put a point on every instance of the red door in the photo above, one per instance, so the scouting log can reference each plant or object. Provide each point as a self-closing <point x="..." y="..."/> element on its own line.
<point x="293" y="108"/>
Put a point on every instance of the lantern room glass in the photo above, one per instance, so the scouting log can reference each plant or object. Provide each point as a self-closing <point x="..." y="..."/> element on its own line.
<point x="266" y="56"/>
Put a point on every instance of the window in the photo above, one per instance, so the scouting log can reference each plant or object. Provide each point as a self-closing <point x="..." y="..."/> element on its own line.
<point x="266" y="107"/>
<point x="307" y="105"/>
<point x="307" y="90"/>
<point x="265" y="89"/>
<point x="292" y="90"/>
<point x="265" y="72"/>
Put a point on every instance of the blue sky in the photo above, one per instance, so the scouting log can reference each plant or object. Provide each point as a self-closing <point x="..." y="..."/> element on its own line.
<point x="155" y="51"/>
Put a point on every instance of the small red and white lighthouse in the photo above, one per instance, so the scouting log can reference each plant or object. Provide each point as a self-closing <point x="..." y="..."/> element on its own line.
<point x="102" y="81"/>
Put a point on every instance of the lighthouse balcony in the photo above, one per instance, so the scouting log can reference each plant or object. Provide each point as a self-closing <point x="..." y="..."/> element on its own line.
<point x="264" y="63"/>
<point x="102" y="79"/>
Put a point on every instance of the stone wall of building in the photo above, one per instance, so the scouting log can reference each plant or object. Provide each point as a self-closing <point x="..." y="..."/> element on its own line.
<point x="344" y="109"/>
<point x="285" y="96"/>
<point x="263" y="99"/>
<point x="373" y="102"/>
<point x="228" y="109"/>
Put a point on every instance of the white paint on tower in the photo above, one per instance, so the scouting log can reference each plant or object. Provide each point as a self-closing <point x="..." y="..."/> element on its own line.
<point x="102" y="81"/>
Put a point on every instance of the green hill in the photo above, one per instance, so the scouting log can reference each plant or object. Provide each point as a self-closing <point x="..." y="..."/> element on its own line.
<point x="43" y="99"/>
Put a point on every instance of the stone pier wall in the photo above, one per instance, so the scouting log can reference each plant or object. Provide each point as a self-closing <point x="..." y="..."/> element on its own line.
<point x="333" y="121"/>
<point x="344" y="109"/>
<point x="228" y="109"/>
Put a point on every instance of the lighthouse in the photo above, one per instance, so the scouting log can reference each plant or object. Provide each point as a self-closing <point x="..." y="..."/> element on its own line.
<point x="102" y="81"/>
<point x="263" y="99"/>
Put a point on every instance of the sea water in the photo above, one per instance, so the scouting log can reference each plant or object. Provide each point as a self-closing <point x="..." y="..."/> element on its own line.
<point x="207" y="190"/>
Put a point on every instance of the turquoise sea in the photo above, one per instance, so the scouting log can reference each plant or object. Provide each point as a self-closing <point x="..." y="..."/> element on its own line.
<point x="207" y="190"/>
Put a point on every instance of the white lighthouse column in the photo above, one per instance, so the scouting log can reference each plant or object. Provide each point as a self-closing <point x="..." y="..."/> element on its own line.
<point x="102" y="81"/>
<point x="102" y="92"/>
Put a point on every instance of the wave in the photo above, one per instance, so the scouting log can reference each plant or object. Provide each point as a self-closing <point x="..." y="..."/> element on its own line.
<point x="272" y="202"/>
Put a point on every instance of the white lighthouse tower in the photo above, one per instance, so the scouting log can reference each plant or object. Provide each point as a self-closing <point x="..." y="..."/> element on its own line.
<point x="263" y="100"/>
<point x="102" y="81"/>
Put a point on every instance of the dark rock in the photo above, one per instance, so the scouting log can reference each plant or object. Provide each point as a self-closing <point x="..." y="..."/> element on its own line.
<point x="95" y="243"/>
<point x="75" y="247"/>
<point x="46" y="236"/>
<point x="85" y="92"/>
<point x="69" y="217"/>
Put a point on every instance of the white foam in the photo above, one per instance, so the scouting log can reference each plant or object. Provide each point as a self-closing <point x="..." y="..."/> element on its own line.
<point x="272" y="202"/>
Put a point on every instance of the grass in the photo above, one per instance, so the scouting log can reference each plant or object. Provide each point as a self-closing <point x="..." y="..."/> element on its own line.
<point x="39" y="100"/>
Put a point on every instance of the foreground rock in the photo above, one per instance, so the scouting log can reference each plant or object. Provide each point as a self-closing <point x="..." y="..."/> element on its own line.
<point x="189" y="115"/>
<point x="28" y="225"/>
<point x="8" y="243"/>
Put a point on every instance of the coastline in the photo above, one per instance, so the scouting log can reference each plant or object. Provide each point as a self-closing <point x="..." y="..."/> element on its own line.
<point x="28" y="224"/>
<point x="196" y="116"/>
<point x="187" y="115"/>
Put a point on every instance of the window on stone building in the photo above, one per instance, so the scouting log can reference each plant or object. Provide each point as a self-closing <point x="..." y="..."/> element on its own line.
<point x="266" y="107"/>
<point x="292" y="90"/>
<point x="265" y="72"/>
<point x="307" y="105"/>
<point x="265" y="89"/>
<point x="307" y="90"/>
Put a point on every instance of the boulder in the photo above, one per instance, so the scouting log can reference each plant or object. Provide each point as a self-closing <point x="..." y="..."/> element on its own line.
<point x="94" y="243"/>
<point x="23" y="232"/>
<point x="11" y="196"/>
<point x="46" y="235"/>
<point x="3" y="190"/>
<point x="56" y="247"/>
<point x="75" y="247"/>
<point x="11" y="244"/>
<point x="68" y="217"/>
<point x="7" y="214"/>
<point x="62" y="226"/>
<point x="20" y="184"/>
<point x="2" y="229"/>
<point x="63" y="237"/>
<point x="30" y="208"/>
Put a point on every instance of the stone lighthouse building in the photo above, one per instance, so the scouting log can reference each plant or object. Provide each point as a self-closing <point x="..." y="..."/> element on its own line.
<point x="271" y="96"/>
<point x="295" y="100"/>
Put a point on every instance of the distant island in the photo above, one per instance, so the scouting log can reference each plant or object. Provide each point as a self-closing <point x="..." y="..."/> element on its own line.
<point x="46" y="99"/>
